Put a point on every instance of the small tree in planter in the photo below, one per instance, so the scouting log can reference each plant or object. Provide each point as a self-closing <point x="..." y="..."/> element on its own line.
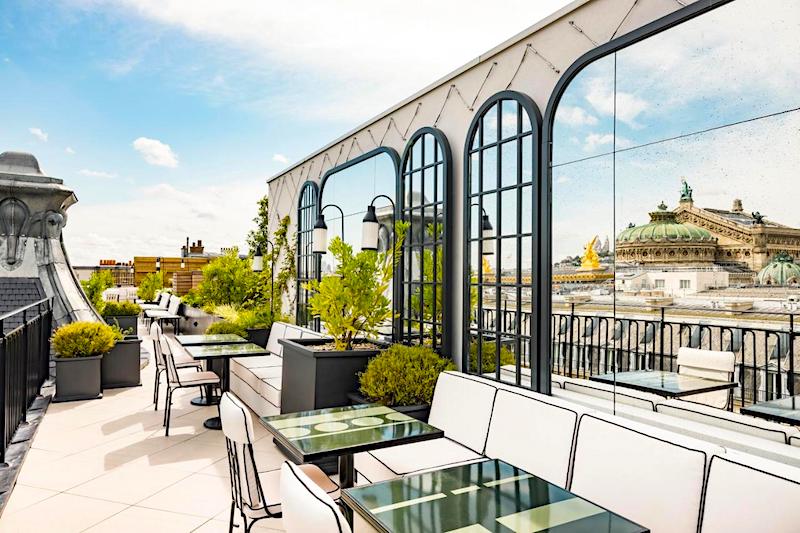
<point x="80" y="347"/>
<point x="122" y="314"/>
<point x="150" y="284"/>
<point x="403" y="377"/>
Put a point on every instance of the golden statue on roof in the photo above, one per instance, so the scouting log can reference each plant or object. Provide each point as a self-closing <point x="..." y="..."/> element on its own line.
<point x="590" y="259"/>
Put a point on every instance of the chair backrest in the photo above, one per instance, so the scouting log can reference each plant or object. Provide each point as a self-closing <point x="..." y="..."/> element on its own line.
<point x="306" y="507"/>
<point x="746" y="493"/>
<point x="529" y="431"/>
<point x="276" y="332"/>
<point x="647" y="475"/>
<point x="174" y="305"/>
<point x="708" y="364"/>
<point x="168" y="348"/>
<point x="163" y="300"/>
<point x="462" y="408"/>
<point x="237" y="426"/>
<point x="155" y="336"/>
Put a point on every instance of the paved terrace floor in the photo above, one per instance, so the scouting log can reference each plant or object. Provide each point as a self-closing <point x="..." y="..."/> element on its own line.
<point x="106" y="466"/>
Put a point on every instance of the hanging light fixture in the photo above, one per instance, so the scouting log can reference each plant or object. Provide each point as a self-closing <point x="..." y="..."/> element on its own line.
<point x="258" y="260"/>
<point x="487" y="232"/>
<point x="369" y="230"/>
<point x="183" y="263"/>
<point x="158" y="263"/>
<point x="319" y="237"/>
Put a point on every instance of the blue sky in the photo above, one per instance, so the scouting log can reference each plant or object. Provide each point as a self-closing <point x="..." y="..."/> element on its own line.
<point x="167" y="116"/>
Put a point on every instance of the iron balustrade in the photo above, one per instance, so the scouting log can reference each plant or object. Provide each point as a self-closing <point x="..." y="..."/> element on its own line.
<point x="635" y="337"/>
<point x="24" y="364"/>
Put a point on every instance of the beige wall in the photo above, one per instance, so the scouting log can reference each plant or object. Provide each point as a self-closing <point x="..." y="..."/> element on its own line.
<point x="556" y="39"/>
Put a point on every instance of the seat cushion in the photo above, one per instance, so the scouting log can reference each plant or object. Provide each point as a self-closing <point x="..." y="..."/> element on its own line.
<point x="650" y="476"/>
<point x="267" y="386"/>
<point x="409" y="458"/>
<point x="198" y="378"/>
<point x="261" y="361"/>
<point x="746" y="493"/>
<point x="271" y="486"/>
<point x="462" y="408"/>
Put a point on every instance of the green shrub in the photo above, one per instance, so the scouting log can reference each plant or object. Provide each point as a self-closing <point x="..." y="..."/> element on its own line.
<point x="488" y="356"/>
<point x="227" y="280"/>
<point x="98" y="282"/>
<point x="403" y="375"/>
<point x="192" y="299"/>
<point x="226" y="326"/>
<point x="84" y="339"/>
<point x="121" y="309"/>
<point x="150" y="284"/>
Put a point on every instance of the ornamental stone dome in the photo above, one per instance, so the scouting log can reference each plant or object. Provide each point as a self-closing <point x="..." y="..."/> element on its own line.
<point x="782" y="270"/>
<point x="20" y="163"/>
<point x="665" y="240"/>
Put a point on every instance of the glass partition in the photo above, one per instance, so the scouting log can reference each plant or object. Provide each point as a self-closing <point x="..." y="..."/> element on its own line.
<point x="675" y="207"/>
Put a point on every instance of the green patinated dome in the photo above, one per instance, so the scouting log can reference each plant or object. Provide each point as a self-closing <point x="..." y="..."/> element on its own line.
<point x="664" y="227"/>
<point x="782" y="270"/>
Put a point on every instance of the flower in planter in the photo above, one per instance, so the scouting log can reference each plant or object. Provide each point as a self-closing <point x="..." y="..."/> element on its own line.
<point x="84" y="339"/>
<point x="403" y="375"/>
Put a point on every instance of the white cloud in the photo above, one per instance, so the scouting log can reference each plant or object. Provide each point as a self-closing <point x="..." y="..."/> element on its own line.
<point x="563" y="179"/>
<point x="157" y="220"/>
<point x="38" y="133"/>
<point x="594" y="141"/>
<point x="6" y="60"/>
<point x="96" y="174"/>
<point x="69" y="150"/>
<point x="575" y="116"/>
<point x="280" y="158"/>
<point x="600" y="94"/>
<point x="156" y="152"/>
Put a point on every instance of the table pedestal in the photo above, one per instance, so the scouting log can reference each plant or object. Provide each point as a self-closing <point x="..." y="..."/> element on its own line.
<point x="347" y="478"/>
<point x="224" y="383"/>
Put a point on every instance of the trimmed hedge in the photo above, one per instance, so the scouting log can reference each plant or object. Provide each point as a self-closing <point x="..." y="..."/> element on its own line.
<point x="84" y="339"/>
<point x="403" y="375"/>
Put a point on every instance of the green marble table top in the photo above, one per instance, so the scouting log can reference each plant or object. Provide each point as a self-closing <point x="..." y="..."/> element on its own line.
<point x="664" y="383"/>
<point x="202" y="340"/>
<point x="221" y="351"/>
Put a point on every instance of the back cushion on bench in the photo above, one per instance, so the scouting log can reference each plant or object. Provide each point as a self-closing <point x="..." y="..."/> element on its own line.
<point x="650" y="476"/>
<point x="276" y="332"/>
<point x="174" y="305"/>
<point x="746" y="493"/>
<point x="462" y="409"/>
<point x="533" y="435"/>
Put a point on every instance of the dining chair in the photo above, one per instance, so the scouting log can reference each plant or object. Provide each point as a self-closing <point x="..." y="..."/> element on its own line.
<point x="257" y="495"/>
<point x="306" y="507"/>
<point x="177" y="380"/>
<point x="182" y="360"/>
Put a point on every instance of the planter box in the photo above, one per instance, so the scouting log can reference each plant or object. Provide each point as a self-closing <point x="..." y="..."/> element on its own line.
<point x="258" y="336"/>
<point x="420" y="412"/>
<point x="315" y="379"/>
<point x="127" y="322"/>
<point x="121" y="366"/>
<point x="195" y="321"/>
<point x="78" y="378"/>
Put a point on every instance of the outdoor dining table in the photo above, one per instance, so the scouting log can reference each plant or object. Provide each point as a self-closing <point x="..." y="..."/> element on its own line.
<point x="225" y="352"/>
<point x="206" y="340"/>
<point x="663" y="383"/>
<point x="785" y="410"/>
<point x="344" y="431"/>
<point x="484" y="497"/>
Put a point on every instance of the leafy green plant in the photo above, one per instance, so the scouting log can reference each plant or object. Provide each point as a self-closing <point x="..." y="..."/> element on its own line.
<point x="121" y="309"/>
<point x="403" y="375"/>
<point x="239" y="320"/>
<point x="488" y="357"/>
<point x="427" y="301"/>
<point x="151" y="283"/>
<point x="279" y="256"/>
<point x="98" y="282"/>
<point x="352" y="302"/>
<point x="227" y="280"/>
<point x="192" y="299"/>
<point x="226" y="326"/>
<point x="84" y="339"/>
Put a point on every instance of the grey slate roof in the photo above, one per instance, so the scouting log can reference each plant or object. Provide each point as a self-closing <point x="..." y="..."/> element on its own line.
<point x="16" y="293"/>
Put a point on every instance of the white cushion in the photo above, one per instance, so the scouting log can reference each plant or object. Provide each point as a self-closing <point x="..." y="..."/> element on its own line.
<point x="794" y="441"/>
<point x="642" y="400"/>
<point x="652" y="477"/>
<point x="746" y="493"/>
<point x="269" y="388"/>
<point x="728" y="420"/>
<point x="174" y="305"/>
<point x="533" y="434"/>
<point x="237" y="424"/>
<point x="305" y="506"/>
<point x="275" y="333"/>
<point x="462" y="408"/>
<point x="259" y="361"/>
<point x="708" y="364"/>
<point x="409" y="458"/>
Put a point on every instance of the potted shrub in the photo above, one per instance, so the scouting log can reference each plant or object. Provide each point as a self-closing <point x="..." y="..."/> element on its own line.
<point x="226" y="326"/>
<point x="79" y="349"/>
<point x="122" y="314"/>
<point x="121" y="367"/>
<point x="352" y="305"/>
<point x="404" y="378"/>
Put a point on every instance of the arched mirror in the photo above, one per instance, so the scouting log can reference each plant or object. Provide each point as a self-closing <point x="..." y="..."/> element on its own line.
<point x="306" y="261"/>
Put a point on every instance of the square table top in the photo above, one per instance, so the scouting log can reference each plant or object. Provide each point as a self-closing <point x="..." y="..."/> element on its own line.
<point x="786" y="410"/>
<point x="664" y="383"/>
<point x="222" y="351"/>
<point x="490" y="496"/>
<point x="321" y="433"/>
<point x="203" y="340"/>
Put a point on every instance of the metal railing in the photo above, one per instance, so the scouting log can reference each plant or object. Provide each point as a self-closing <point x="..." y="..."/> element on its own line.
<point x="24" y="364"/>
<point x="585" y="342"/>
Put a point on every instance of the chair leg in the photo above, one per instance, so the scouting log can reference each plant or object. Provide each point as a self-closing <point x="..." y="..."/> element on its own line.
<point x="168" y="411"/>
<point x="156" y="387"/>
<point x="233" y="508"/>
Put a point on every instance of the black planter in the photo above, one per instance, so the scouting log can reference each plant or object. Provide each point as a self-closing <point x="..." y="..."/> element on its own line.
<point x="315" y="379"/>
<point x="78" y="378"/>
<point x="121" y="366"/>
<point x="420" y="412"/>
<point x="126" y="322"/>
<point x="258" y="336"/>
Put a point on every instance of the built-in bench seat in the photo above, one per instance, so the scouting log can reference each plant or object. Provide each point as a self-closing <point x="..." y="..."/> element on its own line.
<point x="257" y="380"/>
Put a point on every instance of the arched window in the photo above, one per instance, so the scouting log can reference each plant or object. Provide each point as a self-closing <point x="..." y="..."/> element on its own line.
<point x="500" y="215"/>
<point x="307" y="263"/>
<point x="425" y="182"/>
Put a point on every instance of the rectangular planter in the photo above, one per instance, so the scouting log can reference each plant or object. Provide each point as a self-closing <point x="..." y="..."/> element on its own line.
<point x="121" y="366"/>
<point x="127" y="322"/>
<point x="258" y="336"/>
<point x="78" y="378"/>
<point x="421" y="412"/>
<point x="314" y="379"/>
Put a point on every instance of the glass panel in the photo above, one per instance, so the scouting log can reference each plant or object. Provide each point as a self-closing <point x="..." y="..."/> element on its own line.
<point x="490" y="126"/>
<point x="489" y="167"/>
<point x="509" y="211"/>
<point x="508" y="163"/>
<point x="430" y="150"/>
<point x="527" y="209"/>
<point x="510" y="120"/>
<point x="474" y="173"/>
<point x="428" y="185"/>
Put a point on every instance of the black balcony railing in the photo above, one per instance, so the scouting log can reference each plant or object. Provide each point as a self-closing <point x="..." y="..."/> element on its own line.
<point x="594" y="340"/>
<point x="24" y="364"/>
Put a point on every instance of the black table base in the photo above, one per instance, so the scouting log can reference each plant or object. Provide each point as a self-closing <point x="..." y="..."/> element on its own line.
<point x="213" y="423"/>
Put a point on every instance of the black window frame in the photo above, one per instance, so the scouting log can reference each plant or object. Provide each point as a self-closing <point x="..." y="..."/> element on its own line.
<point x="307" y="262"/>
